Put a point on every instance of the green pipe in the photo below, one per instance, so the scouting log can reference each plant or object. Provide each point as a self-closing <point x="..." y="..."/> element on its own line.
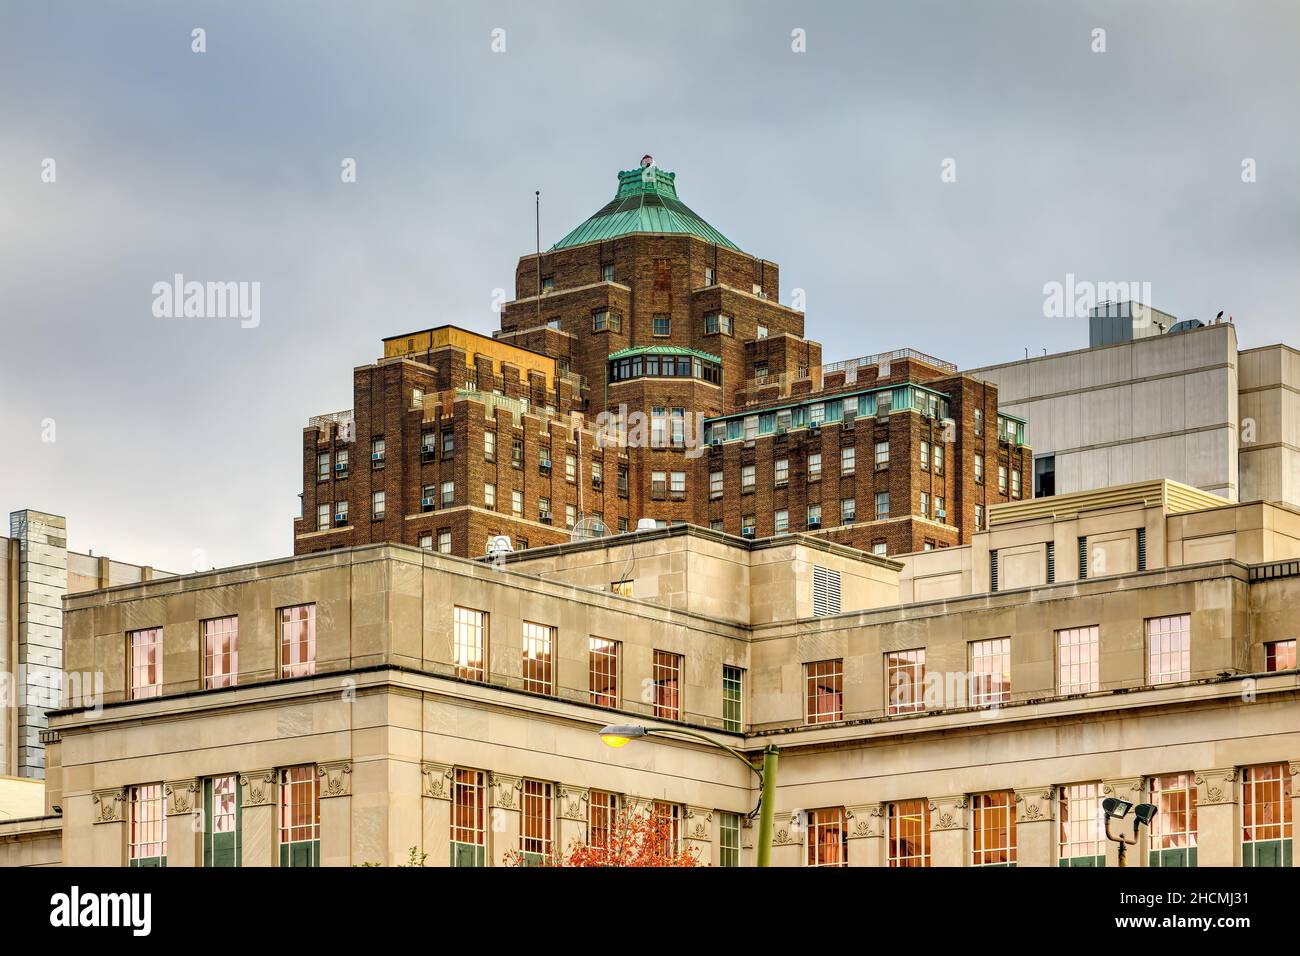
<point x="767" y="805"/>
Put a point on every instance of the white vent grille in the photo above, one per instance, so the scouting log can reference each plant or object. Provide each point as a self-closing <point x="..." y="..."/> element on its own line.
<point x="826" y="591"/>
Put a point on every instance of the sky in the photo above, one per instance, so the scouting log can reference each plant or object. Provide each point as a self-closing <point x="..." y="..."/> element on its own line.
<point x="920" y="170"/>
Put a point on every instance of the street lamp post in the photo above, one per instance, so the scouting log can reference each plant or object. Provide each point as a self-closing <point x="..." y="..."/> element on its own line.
<point x="618" y="735"/>
<point x="1116" y="809"/>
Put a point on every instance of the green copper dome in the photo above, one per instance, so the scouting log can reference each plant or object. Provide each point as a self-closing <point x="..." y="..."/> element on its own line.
<point x="646" y="202"/>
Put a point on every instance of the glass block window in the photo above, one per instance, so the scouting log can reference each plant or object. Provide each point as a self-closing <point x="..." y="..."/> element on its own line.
<point x="146" y="663"/>
<point x="469" y="643"/>
<point x="298" y="640"/>
<point x="536" y="821"/>
<point x="300" y="816"/>
<point x="993" y="829"/>
<point x="220" y="652"/>
<point x="603" y="671"/>
<point x="828" y="843"/>
<point x="469" y="818"/>
<point x="1082" y="836"/>
<point x="538" y="640"/>
<point x="909" y="833"/>
<point x="733" y="688"/>
<point x="1078" y="660"/>
<point x="823" y="692"/>
<point x="148" y="837"/>
<point x="728" y="839"/>
<point x="1173" y="829"/>
<point x="905" y="682"/>
<point x="1266" y="815"/>
<point x="1169" y="649"/>
<point x="990" y="671"/>
<point x="667" y="674"/>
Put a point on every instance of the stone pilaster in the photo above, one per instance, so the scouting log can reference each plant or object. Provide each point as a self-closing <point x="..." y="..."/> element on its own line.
<point x="1294" y="768"/>
<point x="1218" y="837"/>
<point x="183" y="800"/>
<point x="573" y="804"/>
<point x="866" y="825"/>
<point x="697" y="835"/>
<point x="948" y="830"/>
<point x="504" y="816"/>
<point x="787" y="839"/>
<point x="108" y="839"/>
<point x="1036" y="827"/>
<point x="436" y="780"/>
<point x="336" y="813"/>
<point x="1130" y="789"/>
<point x="257" y="797"/>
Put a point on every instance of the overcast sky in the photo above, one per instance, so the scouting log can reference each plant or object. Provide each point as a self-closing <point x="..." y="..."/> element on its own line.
<point x="174" y="434"/>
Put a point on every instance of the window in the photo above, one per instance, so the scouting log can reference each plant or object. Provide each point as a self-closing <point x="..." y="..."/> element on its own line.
<point x="1078" y="660"/>
<point x="300" y="817"/>
<point x="220" y="652"/>
<point x="469" y="818"/>
<point x="1015" y="484"/>
<point x="667" y="672"/>
<point x="733" y="688"/>
<point x="823" y="692"/>
<point x="909" y="833"/>
<point x="222" y="821"/>
<point x="444" y="542"/>
<point x="517" y="503"/>
<point x="1173" y="828"/>
<point x="667" y="819"/>
<point x="597" y="474"/>
<point x="940" y="513"/>
<point x="1083" y="834"/>
<point x="938" y="459"/>
<point x="428" y="446"/>
<point x="882" y="455"/>
<point x="602" y="817"/>
<point x="746" y="478"/>
<point x="490" y="446"/>
<point x="604" y="319"/>
<point x="662" y="325"/>
<point x="708" y="275"/>
<point x="548" y="284"/>
<point x="428" y="497"/>
<point x="781" y="471"/>
<point x="341" y="462"/>
<point x="341" y="513"/>
<point x="728" y="839"/>
<point x="747" y="528"/>
<point x="905" y="682"/>
<point x="825" y="591"/>
<point x="544" y="510"/>
<point x="537" y="657"/>
<point x="979" y="469"/>
<point x="761" y="332"/>
<point x="535" y="821"/>
<point x="1279" y="655"/>
<point x="146" y="663"/>
<point x="377" y="505"/>
<point x="426" y="541"/>
<point x="1169" y="649"/>
<point x="621" y="588"/>
<point x="925" y="456"/>
<point x="623" y="480"/>
<point x="377" y="452"/>
<point x="603" y="671"/>
<point x="815" y="466"/>
<point x="323" y="466"/>
<point x="1002" y="479"/>
<point x="848" y="461"/>
<point x="993" y="829"/>
<point x="990" y="665"/>
<point x="490" y="496"/>
<point x="570" y="516"/>
<point x="848" y="510"/>
<point x="1266" y="816"/>
<point x="979" y="517"/>
<point x="925" y="505"/>
<point x="880" y="549"/>
<point x="979" y="421"/>
<point x="715" y="323"/>
<point x="781" y="521"/>
<point x="448" y="494"/>
<point x="607" y="272"/>
<point x="828" y="838"/>
<point x="517" y="452"/>
<point x="715" y="484"/>
<point x="298" y="640"/>
<point x="677" y="485"/>
<point x="882" y="505"/>
<point x="571" y="467"/>
<point x="658" y="485"/>
<point x="448" y="443"/>
<point x="148" y="841"/>
<point x="814" y="517"/>
<point x="469" y="643"/>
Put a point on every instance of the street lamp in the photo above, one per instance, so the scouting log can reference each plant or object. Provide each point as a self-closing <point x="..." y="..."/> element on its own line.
<point x="1116" y="809"/>
<point x="619" y="735"/>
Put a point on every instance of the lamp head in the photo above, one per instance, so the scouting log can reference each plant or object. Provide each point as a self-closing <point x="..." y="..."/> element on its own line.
<point x="618" y="735"/>
<point x="1144" y="812"/>
<point x="1115" y="808"/>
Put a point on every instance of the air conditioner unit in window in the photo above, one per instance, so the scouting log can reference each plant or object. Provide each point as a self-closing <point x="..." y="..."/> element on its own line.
<point x="376" y="456"/>
<point x="544" y="466"/>
<point x="851" y="517"/>
<point x="340" y="519"/>
<point x="340" y="466"/>
<point x="597" y="483"/>
<point x="814" y="525"/>
<point x="427" y="502"/>
<point x="715" y="442"/>
<point x="545" y="519"/>
<point x="747" y="532"/>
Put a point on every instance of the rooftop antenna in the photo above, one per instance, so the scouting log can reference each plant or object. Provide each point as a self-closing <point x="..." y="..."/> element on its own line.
<point x="537" y="222"/>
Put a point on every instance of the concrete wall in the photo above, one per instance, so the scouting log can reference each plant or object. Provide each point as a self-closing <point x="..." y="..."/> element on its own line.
<point x="1269" y="380"/>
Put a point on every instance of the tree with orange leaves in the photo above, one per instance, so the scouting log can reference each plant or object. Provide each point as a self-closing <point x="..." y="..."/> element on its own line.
<point x="632" y="839"/>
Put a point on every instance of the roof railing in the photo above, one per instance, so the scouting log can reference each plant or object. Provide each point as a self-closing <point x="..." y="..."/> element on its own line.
<point x="888" y="357"/>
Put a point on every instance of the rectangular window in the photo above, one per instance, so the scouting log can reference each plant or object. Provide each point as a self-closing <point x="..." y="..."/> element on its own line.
<point x="469" y="643"/>
<point x="341" y="458"/>
<point x="448" y="443"/>
<point x="603" y="671"/>
<point x="979" y="518"/>
<point x="517" y="452"/>
<point x="323" y="466"/>
<point x="621" y="588"/>
<point x="220" y="652"/>
<point x="1266" y="816"/>
<point x="728" y="839"/>
<point x="925" y="456"/>
<point x="715" y="484"/>
<point x="535" y="821"/>
<point x="662" y="324"/>
<point x="746" y="478"/>
<point x="781" y="471"/>
<point x="905" y="682"/>
<point x="300" y="817"/>
<point x="597" y="474"/>
<point x="882" y="505"/>
<point x="298" y="640"/>
<point x="1002" y="479"/>
<point x="733" y="689"/>
<point x="979" y="469"/>
<point x="517" y="503"/>
<point x="148" y="840"/>
<point x="444" y="542"/>
<point x="570" y="516"/>
<point x="378" y="450"/>
<point x="979" y="421"/>
<point x="815" y="466"/>
<point x="1279" y="655"/>
<point x="469" y="818"/>
<point x="602" y="817"/>
<point x="828" y="837"/>
<point x="1015" y="484"/>
<point x="341" y="513"/>
<point x="667" y="820"/>
<point x="490" y="446"/>
<point x="825" y="591"/>
<point x="1169" y="649"/>
<point x="426" y="542"/>
<point x="222" y="821"/>
<point x="909" y="833"/>
<point x="938" y="459"/>
<point x="708" y="275"/>
<point x="323" y="517"/>
<point x="658" y="484"/>
<point x="990" y="667"/>
<point x="146" y="663"/>
<point x="667" y="680"/>
<point x="538" y="640"/>
<point x="882" y="455"/>
<point x="1082" y="827"/>
<point x="1173" y="828"/>
<point x="607" y="272"/>
<point x="848" y="510"/>
<point x="814" y="517"/>
<point x="1078" y="660"/>
<point x="848" y="461"/>
<point x="677" y="485"/>
<point x="993" y="829"/>
<point x="544" y="510"/>
<point x="571" y="467"/>
<point x="377" y="505"/>
<point x="925" y="505"/>
<point x="823" y="692"/>
<point x="781" y="521"/>
<point x="448" y="494"/>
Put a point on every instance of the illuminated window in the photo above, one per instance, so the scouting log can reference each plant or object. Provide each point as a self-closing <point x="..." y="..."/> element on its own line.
<point x="537" y="657"/>
<point x="603" y="669"/>
<point x="1169" y="649"/>
<point x="146" y="663"/>
<point x="535" y="821"/>
<point x="220" y="652"/>
<point x="300" y="817"/>
<point x="221" y="821"/>
<point x="148" y="841"/>
<point x="1173" y="829"/>
<point x="728" y="839"/>
<point x="469" y="643"/>
<point x="469" y="818"/>
<point x="909" y="833"/>
<point x="667" y="680"/>
<point x="990" y="667"/>
<point x="733" y="688"/>
<point x="993" y="829"/>
<point x="602" y="817"/>
<point x="1082" y="826"/>
<point x="1279" y="655"/>
<point x="828" y="843"/>
<point x="298" y="640"/>
<point x="1266" y="816"/>
<point x="905" y="682"/>
<point x="1078" y="660"/>
<point x="823" y="691"/>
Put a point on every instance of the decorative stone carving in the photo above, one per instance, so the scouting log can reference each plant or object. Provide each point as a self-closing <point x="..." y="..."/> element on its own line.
<point x="789" y="832"/>
<point x="1216" y="786"/>
<point x="1130" y="789"/>
<point x="867" y="820"/>
<point x="1035" y="805"/>
<point x="948" y="813"/>
<point x="336" y="778"/>
<point x="182" y="797"/>
<point x="258" y="788"/>
<point x="436" y="779"/>
<point x="505" y="791"/>
<point x="699" y="824"/>
<point x="109" y="805"/>
<point x="573" y="803"/>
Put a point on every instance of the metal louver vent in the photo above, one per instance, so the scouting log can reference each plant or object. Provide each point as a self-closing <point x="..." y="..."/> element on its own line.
<point x="826" y="591"/>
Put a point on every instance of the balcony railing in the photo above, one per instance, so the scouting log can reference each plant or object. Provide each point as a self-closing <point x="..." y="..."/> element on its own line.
<point x="850" y="366"/>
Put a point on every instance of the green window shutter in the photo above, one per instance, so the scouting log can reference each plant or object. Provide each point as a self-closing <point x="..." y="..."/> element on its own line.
<point x="467" y="854"/>
<point x="207" y="822"/>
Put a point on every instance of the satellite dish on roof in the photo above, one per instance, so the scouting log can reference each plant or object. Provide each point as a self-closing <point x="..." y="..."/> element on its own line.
<point x="588" y="528"/>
